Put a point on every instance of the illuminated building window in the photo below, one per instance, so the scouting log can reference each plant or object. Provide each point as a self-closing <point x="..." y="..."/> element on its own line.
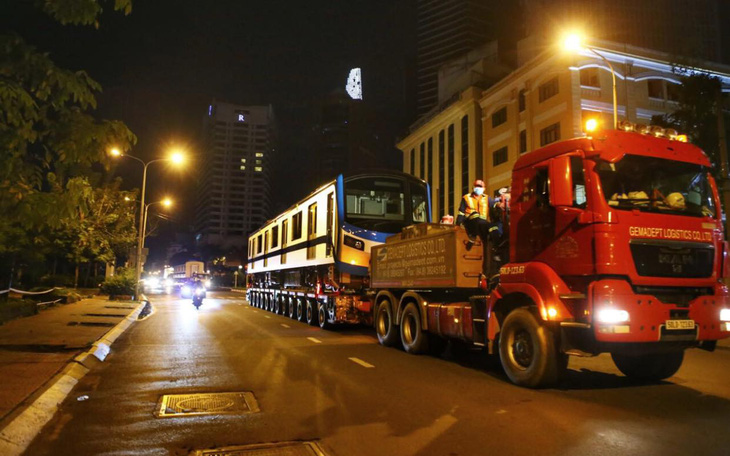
<point x="259" y="154"/>
<point x="243" y="160"/>
<point x="243" y="167"/>
<point x="499" y="156"/>
<point x="589" y="77"/>
<point x="258" y="162"/>
<point x="258" y="169"/>
<point x="549" y="89"/>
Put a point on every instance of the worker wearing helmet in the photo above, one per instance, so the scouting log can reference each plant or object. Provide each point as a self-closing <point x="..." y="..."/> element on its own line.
<point x="474" y="214"/>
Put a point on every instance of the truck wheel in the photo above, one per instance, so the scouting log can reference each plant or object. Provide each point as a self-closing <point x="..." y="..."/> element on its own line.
<point x="649" y="367"/>
<point x="277" y="304"/>
<point x="384" y="325"/>
<point x="412" y="336"/>
<point x="292" y="305"/>
<point x="528" y="351"/>
<point x="322" y="316"/>
<point x="301" y="310"/>
<point x="311" y="316"/>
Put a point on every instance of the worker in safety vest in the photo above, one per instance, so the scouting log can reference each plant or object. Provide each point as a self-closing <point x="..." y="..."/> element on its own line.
<point x="474" y="214"/>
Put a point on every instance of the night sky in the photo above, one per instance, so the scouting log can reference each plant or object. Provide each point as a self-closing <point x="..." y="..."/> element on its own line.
<point x="161" y="66"/>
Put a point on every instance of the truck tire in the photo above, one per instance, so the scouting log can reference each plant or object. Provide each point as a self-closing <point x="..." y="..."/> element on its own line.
<point x="322" y="316"/>
<point x="528" y="351"/>
<point x="301" y="310"/>
<point x="277" y="304"/>
<point x="292" y="306"/>
<point x="385" y="326"/>
<point x="653" y="367"/>
<point x="311" y="315"/>
<point x="412" y="336"/>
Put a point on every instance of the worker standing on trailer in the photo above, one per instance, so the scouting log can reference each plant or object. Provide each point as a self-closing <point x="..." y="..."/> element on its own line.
<point x="474" y="215"/>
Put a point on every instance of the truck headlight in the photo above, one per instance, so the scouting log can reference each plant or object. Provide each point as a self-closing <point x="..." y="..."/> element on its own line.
<point x="612" y="316"/>
<point x="725" y="315"/>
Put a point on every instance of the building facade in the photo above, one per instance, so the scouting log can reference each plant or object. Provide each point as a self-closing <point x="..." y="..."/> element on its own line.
<point x="546" y="100"/>
<point x="233" y="196"/>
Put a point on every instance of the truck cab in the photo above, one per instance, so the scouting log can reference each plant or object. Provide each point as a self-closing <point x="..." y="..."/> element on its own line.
<point x="617" y="240"/>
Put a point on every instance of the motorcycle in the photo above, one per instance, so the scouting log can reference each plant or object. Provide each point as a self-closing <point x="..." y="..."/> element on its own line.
<point x="198" y="295"/>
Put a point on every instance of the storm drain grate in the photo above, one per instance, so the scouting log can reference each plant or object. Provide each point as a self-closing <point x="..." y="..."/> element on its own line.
<point x="206" y="404"/>
<point x="267" y="449"/>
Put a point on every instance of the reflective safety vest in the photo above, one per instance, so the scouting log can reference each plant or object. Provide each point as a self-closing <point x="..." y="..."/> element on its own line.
<point x="476" y="207"/>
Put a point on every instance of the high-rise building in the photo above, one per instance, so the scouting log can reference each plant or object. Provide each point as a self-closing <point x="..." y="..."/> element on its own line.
<point x="234" y="188"/>
<point x="446" y="29"/>
<point x="677" y="27"/>
<point x="345" y="141"/>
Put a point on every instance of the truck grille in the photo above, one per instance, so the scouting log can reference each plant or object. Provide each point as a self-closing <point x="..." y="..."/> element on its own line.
<point x="672" y="259"/>
<point x="681" y="296"/>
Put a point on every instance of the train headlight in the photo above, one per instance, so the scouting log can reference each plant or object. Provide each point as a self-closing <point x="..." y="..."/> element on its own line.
<point x="612" y="316"/>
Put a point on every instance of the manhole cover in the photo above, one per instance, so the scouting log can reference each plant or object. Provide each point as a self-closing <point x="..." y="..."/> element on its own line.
<point x="206" y="404"/>
<point x="267" y="449"/>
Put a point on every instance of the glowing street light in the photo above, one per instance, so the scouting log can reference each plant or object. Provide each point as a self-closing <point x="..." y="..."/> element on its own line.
<point x="574" y="43"/>
<point x="167" y="202"/>
<point x="176" y="158"/>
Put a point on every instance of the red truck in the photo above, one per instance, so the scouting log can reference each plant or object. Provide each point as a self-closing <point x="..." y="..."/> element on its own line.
<point x="615" y="246"/>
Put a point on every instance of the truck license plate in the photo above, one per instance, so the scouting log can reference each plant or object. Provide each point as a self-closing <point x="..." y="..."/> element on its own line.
<point x="680" y="324"/>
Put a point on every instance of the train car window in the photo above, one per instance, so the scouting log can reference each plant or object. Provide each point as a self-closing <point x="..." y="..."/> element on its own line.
<point x="419" y="203"/>
<point x="296" y="226"/>
<point x="284" y="239"/>
<point x="275" y="236"/>
<point x="330" y="219"/>
<point x="376" y="203"/>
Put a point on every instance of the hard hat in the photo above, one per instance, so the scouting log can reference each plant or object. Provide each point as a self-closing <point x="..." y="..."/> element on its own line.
<point x="676" y="200"/>
<point x="640" y="195"/>
<point x="479" y="183"/>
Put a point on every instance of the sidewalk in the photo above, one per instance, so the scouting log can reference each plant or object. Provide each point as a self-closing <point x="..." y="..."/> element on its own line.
<point x="34" y="349"/>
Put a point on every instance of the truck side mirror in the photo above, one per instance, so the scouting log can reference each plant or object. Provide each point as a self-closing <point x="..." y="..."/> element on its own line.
<point x="560" y="181"/>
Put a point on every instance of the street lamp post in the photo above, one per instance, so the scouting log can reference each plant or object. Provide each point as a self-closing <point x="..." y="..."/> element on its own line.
<point x="175" y="158"/>
<point x="574" y="43"/>
<point x="167" y="202"/>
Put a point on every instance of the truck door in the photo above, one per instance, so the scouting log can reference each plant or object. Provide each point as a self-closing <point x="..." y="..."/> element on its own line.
<point x="555" y="226"/>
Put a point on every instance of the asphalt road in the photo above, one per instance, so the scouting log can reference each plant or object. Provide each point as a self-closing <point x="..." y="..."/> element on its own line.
<point x="358" y="398"/>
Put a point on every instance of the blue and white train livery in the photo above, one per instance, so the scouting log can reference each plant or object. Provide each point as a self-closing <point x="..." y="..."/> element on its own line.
<point x="311" y="262"/>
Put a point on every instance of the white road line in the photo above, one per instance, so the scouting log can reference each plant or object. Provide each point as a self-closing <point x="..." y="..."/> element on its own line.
<point x="361" y="362"/>
<point x="316" y="341"/>
<point x="286" y="326"/>
<point x="267" y="316"/>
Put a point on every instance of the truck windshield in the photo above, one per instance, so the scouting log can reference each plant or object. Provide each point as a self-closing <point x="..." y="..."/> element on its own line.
<point x="657" y="185"/>
<point x="379" y="204"/>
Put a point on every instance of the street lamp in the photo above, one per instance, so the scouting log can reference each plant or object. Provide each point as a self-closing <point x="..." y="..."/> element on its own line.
<point x="574" y="43"/>
<point x="176" y="158"/>
<point x="167" y="202"/>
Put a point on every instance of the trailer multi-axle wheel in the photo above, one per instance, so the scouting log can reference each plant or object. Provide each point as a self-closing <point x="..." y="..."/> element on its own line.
<point x="528" y="350"/>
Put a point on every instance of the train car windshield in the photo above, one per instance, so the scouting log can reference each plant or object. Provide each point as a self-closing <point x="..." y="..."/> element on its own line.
<point x="381" y="204"/>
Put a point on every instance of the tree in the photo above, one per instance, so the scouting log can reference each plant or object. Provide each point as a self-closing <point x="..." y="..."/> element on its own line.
<point x="699" y="99"/>
<point x="48" y="140"/>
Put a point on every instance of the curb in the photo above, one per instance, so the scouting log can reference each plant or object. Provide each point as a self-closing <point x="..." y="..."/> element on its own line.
<point x="18" y="434"/>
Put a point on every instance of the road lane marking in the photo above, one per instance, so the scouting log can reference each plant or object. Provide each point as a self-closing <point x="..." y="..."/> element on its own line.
<point x="286" y="326"/>
<point x="316" y="341"/>
<point x="267" y="316"/>
<point x="361" y="362"/>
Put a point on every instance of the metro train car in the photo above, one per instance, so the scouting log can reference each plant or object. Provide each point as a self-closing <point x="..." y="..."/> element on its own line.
<point x="311" y="262"/>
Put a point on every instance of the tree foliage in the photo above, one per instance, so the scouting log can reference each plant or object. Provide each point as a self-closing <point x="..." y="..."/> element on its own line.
<point x="698" y="101"/>
<point x="52" y="149"/>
